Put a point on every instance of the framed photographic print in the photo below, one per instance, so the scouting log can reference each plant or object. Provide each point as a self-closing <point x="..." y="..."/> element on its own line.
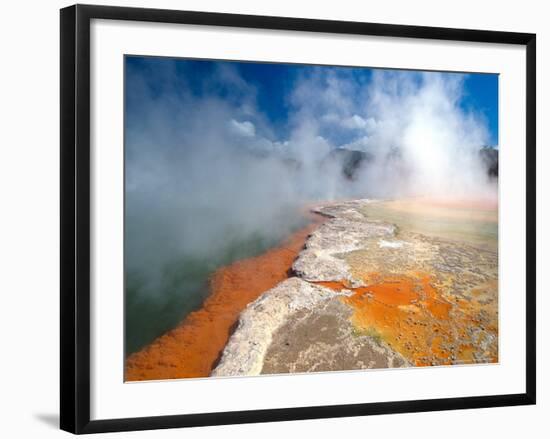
<point x="267" y="218"/>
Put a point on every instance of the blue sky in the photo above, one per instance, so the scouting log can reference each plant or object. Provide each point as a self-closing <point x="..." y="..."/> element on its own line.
<point x="270" y="88"/>
<point x="481" y="94"/>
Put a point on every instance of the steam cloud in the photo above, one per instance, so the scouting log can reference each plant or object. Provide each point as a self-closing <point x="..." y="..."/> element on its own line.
<point x="210" y="167"/>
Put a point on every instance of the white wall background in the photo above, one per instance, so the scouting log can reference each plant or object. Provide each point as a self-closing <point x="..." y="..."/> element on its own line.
<point x="29" y="248"/>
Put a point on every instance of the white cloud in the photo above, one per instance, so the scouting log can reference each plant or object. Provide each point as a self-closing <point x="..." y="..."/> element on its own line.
<point x="357" y="122"/>
<point x="244" y="129"/>
<point x="360" y="144"/>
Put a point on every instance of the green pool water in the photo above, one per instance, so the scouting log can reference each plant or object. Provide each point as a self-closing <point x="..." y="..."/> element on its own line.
<point x="183" y="285"/>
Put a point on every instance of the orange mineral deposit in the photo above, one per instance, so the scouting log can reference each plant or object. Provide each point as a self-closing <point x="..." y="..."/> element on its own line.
<point x="192" y="349"/>
<point x="409" y="314"/>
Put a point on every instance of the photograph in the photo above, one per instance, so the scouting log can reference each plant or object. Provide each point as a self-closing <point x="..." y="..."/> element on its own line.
<point x="274" y="220"/>
<point x="288" y="218"/>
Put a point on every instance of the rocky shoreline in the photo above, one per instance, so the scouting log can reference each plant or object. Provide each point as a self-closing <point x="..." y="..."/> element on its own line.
<point x="364" y="294"/>
<point x="192" y="348"/>
<point x="348" y="230"/>
<point x="265" y="338"/>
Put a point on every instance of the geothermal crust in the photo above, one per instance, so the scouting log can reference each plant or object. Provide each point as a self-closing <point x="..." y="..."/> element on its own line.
<point x="348" y="230"/>
<point x="367" y="295"/>
<point x="312" y="316"/>
<point x="244" y="353"/>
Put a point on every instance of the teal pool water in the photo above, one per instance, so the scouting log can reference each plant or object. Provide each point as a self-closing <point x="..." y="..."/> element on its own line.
<point x="183" y="284"/>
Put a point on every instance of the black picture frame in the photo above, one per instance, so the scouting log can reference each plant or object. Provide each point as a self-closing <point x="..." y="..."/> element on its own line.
<point x="75" y="217"/>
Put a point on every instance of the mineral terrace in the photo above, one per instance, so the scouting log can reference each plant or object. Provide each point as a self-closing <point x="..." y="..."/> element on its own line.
<point x="365" y="294"/>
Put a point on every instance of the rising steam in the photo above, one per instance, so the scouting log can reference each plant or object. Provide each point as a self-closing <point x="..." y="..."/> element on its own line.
<point x="206" y="168"/>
